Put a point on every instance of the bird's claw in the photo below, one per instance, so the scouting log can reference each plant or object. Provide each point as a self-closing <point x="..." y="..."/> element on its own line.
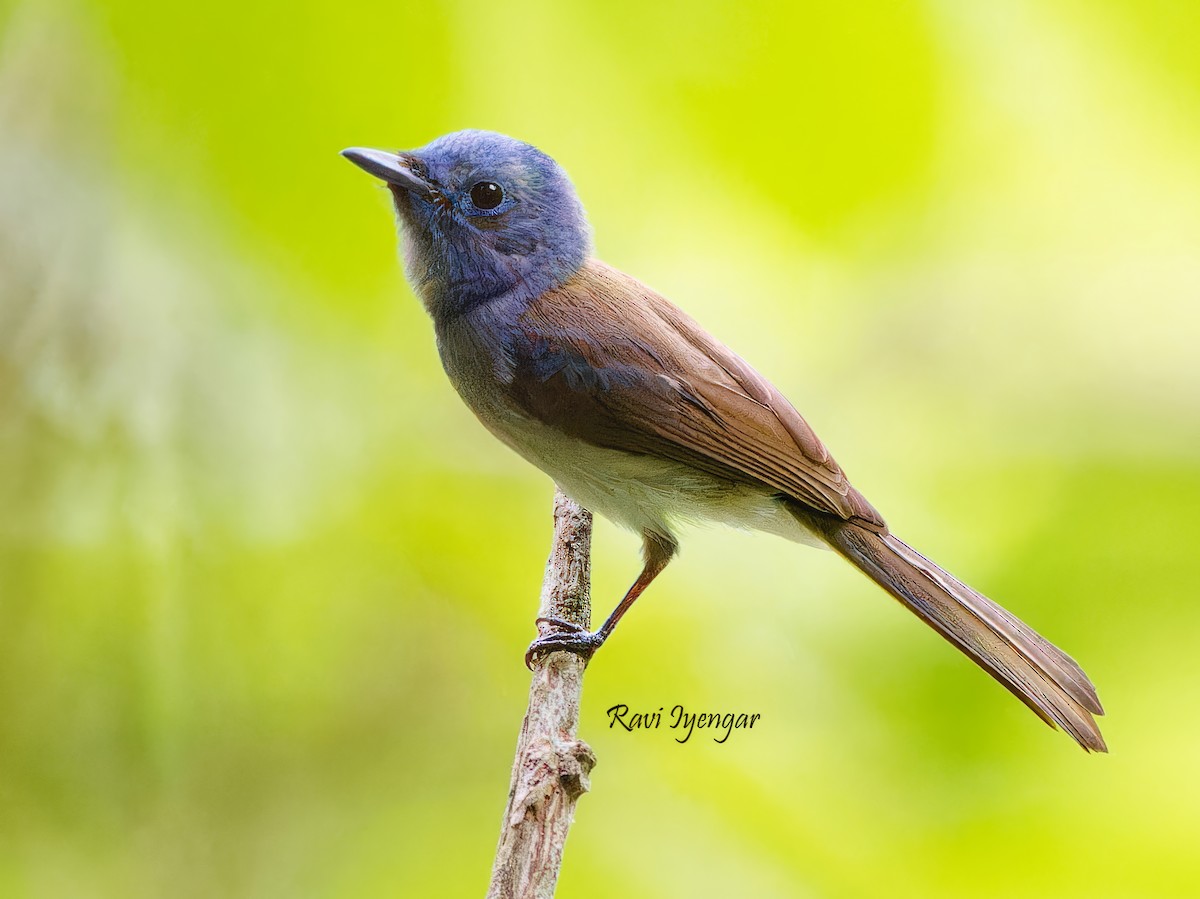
<point x="561" y="624"/>
<point x="568" y="637"/>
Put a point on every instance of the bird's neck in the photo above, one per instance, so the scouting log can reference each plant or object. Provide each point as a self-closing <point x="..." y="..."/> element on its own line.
<point x="464" y="282"/>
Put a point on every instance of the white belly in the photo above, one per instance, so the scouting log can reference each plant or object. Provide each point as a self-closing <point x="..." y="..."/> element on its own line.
<point x="640" y="492"/>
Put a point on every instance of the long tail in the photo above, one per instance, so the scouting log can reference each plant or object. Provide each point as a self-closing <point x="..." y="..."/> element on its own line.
<point x="1040" y="674"/>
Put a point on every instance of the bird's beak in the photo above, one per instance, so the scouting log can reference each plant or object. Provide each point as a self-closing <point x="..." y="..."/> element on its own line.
<point x="394" y="168"/>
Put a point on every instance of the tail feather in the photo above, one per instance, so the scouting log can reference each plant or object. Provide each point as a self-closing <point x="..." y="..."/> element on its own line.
<point x="1038" y="673"/>
<point x="1039" y="651"/>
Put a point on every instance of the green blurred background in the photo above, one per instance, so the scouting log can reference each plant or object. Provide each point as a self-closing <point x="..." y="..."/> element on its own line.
<point x="265" y="584"/>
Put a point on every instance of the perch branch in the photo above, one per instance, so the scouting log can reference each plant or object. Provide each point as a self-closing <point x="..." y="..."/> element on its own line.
<point x="551" y="768"/>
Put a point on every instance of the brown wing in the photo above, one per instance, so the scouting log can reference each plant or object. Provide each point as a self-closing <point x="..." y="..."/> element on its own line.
<point x="609" y="361"/>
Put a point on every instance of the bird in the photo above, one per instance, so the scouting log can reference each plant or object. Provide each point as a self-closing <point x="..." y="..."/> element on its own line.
<point x="639" y="414"/>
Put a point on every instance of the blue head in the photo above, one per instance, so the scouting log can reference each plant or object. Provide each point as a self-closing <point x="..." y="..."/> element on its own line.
<point x="483" y="216"/>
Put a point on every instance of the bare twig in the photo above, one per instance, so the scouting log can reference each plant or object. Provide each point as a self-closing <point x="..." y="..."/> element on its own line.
<point x="551" y="768"/>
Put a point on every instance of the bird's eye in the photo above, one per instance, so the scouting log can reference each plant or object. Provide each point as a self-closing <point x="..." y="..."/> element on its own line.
<point x="487" y="195"/>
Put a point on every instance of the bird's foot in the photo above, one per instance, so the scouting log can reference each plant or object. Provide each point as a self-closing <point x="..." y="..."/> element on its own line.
<point x="568" y="637"/>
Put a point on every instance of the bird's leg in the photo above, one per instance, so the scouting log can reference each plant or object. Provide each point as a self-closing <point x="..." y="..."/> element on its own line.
<point x="657" y="551"/>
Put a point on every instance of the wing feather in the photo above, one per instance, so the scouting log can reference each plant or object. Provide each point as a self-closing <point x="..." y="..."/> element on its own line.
<point x="667" y="388"/>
